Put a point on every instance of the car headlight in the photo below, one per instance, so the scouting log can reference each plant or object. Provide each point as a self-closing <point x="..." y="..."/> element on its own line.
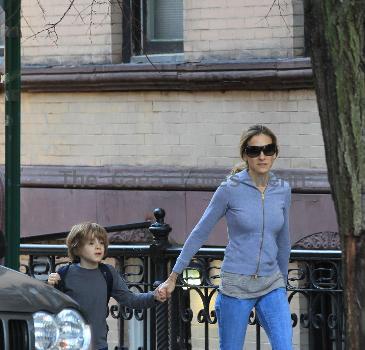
<point x="65" y="331"/>
<point x="45" y="331"/>
<point x="74" y="333"/>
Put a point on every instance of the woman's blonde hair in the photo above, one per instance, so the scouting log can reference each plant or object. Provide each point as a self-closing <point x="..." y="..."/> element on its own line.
<point x="79" y="235"/>
<point x="246" y="136"/>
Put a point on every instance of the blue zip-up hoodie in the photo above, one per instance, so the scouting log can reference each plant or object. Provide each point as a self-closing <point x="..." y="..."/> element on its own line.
<point x="258" y="226"/>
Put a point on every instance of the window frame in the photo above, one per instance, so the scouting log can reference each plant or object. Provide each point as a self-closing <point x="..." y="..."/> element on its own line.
<point x="135" y="39"/>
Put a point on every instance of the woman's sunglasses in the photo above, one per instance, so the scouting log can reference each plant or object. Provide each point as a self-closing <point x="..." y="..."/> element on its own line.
<point x="255" y="151"/>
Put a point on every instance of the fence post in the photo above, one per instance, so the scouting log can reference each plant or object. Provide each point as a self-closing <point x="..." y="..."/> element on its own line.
<point x="160" y="231"/>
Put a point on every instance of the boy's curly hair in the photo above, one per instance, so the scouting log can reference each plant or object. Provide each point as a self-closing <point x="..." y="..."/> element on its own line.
<point x="80" y="233"/>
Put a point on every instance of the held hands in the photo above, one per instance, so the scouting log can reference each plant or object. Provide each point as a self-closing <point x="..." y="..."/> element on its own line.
<point x="165" y="289"/>
<point x="53" y="278"/>
<point x="161" y="297"/>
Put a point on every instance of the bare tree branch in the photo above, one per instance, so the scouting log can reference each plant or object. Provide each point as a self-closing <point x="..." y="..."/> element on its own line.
<point x="93" y="12"/>
<point x="88" y="11"/>
<point x="119" y="2"/>
<point x="42" y="9"/>
<point x="27" y="23"/>
<point x="51" y="27"/>
<point x="282" y="11"/>
<point x="78" y="12"/>
<point x="282" y="6"/>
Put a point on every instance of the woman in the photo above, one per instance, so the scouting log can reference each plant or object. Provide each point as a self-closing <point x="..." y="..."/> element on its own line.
<point x="256" y="205"/>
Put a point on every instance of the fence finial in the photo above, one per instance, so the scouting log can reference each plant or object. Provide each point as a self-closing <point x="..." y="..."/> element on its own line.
<point x="159" y="229"/>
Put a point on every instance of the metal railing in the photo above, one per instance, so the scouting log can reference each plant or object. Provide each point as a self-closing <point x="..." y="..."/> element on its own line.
<point x="314" y="287"/>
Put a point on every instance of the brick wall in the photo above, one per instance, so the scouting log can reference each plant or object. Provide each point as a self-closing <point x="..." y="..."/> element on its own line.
<point x="163" y="128"/>
<point x="213" y="29"/>
<point x="236" y="29"/>
<point x="85" y="34"/>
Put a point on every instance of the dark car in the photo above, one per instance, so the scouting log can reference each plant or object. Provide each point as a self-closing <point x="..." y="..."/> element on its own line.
<point x="34" y="315"/>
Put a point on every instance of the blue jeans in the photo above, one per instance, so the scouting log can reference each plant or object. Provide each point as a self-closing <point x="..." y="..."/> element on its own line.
<point x="273" y="312"/>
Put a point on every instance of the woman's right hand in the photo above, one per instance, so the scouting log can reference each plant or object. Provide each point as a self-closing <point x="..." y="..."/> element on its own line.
<point x="166" y="288"/>
<point x="53" y="278"/>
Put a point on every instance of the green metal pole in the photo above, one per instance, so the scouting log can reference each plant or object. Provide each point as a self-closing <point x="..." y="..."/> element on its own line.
<point x="12" y="132"/>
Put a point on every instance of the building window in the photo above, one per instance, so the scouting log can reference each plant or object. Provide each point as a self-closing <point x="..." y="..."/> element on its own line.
<point x="152" y="27"/>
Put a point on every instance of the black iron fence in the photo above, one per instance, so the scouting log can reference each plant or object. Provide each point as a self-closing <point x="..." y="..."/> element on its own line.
<point x="315" y="293"/>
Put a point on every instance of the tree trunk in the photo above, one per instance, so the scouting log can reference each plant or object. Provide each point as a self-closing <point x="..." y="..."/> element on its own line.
<point x="336" y="33"/>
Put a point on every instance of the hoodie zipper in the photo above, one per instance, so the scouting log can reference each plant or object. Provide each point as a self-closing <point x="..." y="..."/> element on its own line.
<point x="262" y="233"/>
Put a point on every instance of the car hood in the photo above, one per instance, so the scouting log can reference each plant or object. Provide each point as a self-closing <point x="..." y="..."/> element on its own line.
<point x="21" y="293"/>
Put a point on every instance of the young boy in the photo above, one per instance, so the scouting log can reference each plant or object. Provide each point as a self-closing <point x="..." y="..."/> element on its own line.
<point x="87" y="245"/>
